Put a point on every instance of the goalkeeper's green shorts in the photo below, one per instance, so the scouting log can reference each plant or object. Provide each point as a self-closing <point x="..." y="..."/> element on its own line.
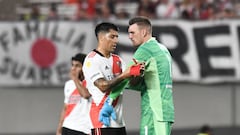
<point x="150" y="126"/>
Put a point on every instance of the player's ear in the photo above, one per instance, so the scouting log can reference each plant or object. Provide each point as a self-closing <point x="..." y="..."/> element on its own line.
<point x="100" y="37"/>
<point x="144" y="32"/>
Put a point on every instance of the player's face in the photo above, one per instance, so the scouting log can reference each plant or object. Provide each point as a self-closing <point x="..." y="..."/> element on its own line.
<point x="77" y="66"/>
<point x="135" y="34"/>
<point x="111" y="40"/>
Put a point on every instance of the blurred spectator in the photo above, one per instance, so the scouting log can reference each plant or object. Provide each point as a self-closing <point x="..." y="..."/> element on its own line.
<point x="186" y="9"/>
<point x="86" y="10"/>
<point x="205" y="130"/>
<point x="154" y="9"/>
<point x="208" y="13"/>
<point x="226" y="10"/>
<point x="53" y="14"/>
<point x="125" y="10"/>
<point x="70" y="1"/>
<point x="147" y="8"/>
<point x="228" y="13"/>
<point x="168" y="9"/>
<point x="122" y="14"/>
<point x="111" y="5"/>
<point x="105" y="13"/>
<point x="35" y="14"/>
<point x="237" y="8"/>
<point x="200" y="9"/>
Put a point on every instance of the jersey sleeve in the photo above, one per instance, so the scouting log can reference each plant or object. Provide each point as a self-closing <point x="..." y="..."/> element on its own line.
<point x="92" y="70"/>
<point x="66" y="96"/>
<point x="142" y="54"/>
<point x="118" y="89"/>
<point x="137" y="87"/>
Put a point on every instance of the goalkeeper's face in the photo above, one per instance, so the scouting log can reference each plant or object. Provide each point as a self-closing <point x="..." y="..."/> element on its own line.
<point x="136" y="35"/>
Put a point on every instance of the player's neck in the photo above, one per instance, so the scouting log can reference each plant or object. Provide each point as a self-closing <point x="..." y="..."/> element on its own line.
<point x="147" y="38"/>
<point x="103" y="52"/>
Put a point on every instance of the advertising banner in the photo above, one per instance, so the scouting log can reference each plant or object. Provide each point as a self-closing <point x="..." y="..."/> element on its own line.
<point x="39" y="53"/>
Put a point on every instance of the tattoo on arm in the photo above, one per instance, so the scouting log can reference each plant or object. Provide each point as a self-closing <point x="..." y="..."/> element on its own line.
<point x="106" y="85"/>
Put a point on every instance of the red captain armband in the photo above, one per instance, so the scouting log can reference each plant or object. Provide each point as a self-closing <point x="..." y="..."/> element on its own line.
<point x="135" y="70"/>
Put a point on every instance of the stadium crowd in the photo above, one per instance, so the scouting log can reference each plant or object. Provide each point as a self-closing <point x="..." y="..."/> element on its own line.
<point x="124" y="9"/>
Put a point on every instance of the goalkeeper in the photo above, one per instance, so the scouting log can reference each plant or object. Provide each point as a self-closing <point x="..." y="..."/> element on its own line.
<point x="157" y="108"/>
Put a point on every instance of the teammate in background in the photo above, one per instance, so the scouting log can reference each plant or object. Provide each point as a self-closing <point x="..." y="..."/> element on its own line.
<point x="157" y="108"/>
<point x="103" y="71"/>
<point x="74" y="119"/>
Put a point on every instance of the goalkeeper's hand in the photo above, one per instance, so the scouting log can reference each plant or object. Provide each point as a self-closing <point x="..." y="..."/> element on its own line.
<point x="107" y="112"/>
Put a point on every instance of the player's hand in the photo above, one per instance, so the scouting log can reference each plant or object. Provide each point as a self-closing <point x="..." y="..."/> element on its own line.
<point x="59" y="131"/>
<point x="106" y="113"/>
<point x="74" y="74"/>
<point x="137" y="69"/>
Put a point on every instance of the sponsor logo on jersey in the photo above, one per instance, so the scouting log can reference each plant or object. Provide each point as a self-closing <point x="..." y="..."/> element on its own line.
<point x="107" y="68"/>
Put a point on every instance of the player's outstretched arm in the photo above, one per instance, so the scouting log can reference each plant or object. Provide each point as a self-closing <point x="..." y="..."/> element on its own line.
<point x="136" y="70"/>
<point x="106" y="85"/>
<point x="107" y="112"/>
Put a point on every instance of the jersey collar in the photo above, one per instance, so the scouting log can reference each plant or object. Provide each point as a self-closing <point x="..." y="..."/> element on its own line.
<point x="95" y="50"/>
<point x="151" y="39"/>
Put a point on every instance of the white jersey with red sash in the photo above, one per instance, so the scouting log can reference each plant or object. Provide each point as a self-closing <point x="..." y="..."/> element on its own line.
<point x="97" y="66"/>
<point x="76" y="116"/>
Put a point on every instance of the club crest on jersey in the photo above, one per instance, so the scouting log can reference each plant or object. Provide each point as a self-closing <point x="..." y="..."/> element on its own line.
<point x="88" y="64"/>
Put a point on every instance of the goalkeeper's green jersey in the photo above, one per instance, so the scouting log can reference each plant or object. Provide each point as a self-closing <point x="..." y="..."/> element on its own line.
<point x="156" y="88"/>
